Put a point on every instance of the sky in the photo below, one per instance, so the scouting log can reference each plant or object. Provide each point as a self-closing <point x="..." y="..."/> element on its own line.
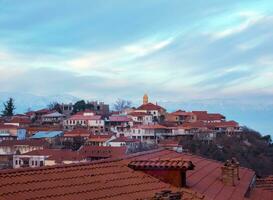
<point x="179" y="50"/>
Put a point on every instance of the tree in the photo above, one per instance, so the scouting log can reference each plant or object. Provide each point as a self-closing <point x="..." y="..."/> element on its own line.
<point x="79" y="106"/>
<point x="122" y="104"/>
<point x="55" y="106"/>
<point x="267" y="138"/>
<point x="8" y="108"/>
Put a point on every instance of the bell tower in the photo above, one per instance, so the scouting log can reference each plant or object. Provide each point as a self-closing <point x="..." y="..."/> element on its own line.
<point x="145" y="99"/>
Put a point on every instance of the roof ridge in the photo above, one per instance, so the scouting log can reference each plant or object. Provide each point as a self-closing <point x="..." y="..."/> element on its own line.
<point x="9" y="172"/>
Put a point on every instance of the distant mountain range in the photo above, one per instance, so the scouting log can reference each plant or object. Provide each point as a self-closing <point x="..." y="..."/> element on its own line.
<point x="26" y="101"/>
<point x="257" y="115"/>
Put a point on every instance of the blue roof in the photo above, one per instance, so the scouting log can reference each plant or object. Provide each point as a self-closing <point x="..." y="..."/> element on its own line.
<point x="47" y="134"/>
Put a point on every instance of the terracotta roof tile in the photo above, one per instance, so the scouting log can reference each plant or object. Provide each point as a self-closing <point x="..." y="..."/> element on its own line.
<point x="150" y="106"/>
<point x="79" y="132"/>
<point x="112" y="179"/>
<point x="23" y="142"/>
<point x="102" y="151"/>
<point x="97" y="180"/>
<point x="119" y="118"/>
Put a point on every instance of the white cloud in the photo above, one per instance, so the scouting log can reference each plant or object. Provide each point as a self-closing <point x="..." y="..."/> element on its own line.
<point x="113" y="59"/>
<point x="144" y="48"/>
<point x="247" y="18"/>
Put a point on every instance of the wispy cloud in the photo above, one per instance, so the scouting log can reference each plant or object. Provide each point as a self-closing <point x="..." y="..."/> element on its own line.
<point x="124" y="49"/>
<point x="113" y="59"/>
<point x="246" y="19"/>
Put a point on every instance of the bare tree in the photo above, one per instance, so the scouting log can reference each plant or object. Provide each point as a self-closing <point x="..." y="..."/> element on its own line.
<point x="122" y="104"/>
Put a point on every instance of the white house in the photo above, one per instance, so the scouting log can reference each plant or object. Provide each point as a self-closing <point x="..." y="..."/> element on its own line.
<point x="93" y="122"/>
<point x="141" y="118"/>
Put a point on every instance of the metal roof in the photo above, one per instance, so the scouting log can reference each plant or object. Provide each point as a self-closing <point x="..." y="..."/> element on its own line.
<point x="47" y="134"/>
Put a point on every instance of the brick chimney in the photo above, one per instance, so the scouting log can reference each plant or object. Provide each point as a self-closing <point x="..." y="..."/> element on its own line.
<point x="167" y="195"/>
<point x="230" y="172"/>
<point x="170" y="171"/>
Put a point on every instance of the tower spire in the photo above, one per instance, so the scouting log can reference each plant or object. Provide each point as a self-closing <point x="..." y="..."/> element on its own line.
<point x="145" y="99"/>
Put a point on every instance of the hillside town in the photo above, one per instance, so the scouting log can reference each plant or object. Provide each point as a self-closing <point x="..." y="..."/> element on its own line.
<point x="70" y="141"/>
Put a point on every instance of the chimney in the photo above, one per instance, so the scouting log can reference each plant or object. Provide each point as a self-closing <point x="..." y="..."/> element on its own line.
<point x="170" y="171"/>
<point x="230" y="172"/>
<point x="167" y="195"/>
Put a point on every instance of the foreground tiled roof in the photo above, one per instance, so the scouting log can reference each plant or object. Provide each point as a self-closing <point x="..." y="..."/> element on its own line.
<point x="162" y="164"/>
<point x="112" y="179"/>
<point x="205" y="178"/>
<point x="98" y="180"/>
<point x="264" y="189"/>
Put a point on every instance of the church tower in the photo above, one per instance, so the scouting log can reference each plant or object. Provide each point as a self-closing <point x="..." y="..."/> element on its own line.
<point x="145" y="99"/>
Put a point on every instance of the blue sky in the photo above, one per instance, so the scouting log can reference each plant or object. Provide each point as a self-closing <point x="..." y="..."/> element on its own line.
<point x="174" y="50"/>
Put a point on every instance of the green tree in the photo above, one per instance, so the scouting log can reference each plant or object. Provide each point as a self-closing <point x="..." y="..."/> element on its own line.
<point x="55" y="106"/>
<point x="79" y="106"/>
<point x="8" y="108"/>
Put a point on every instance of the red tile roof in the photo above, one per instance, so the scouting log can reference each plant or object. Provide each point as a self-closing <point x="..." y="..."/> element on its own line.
<point x="138" y="114"/>
<point x="205" y="178"/>
<point x="162" y="164"/>
<point x="8" y="126"/>
<point x="42" y="111"/>
<point x="203" y="115"/>
<point x="84" y="117"/>
<point x="79" y="132"/>
<point x="23" y="142"/>
<point x="125" y="139"/>
<point x="223" y="124"/>
<point x="168" y="143"/>
<point x="189" y="125"/>
<point x="20" y="120"/>
<point x="118" y="118"/>
<point x="99" y="138"/>
<point x="110" y="179"/>
<point x="150" y="106"/>
<point x="263" y="190"/>
<point x="153" y="126"/>
<point x="181" y="113"/>
<point x="59" y="155"/>
<point x="102" y="151"/>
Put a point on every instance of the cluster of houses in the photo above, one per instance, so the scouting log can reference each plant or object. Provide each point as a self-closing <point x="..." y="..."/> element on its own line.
<point x="49" y="137"/>
<point x="85" y="155"/>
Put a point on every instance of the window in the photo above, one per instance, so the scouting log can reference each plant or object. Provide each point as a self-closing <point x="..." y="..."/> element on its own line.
<point x="36" y="162"/>
<point x="41" y="163"/>
<point x="32" y="162"/>
<point x="16" y="162"/>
